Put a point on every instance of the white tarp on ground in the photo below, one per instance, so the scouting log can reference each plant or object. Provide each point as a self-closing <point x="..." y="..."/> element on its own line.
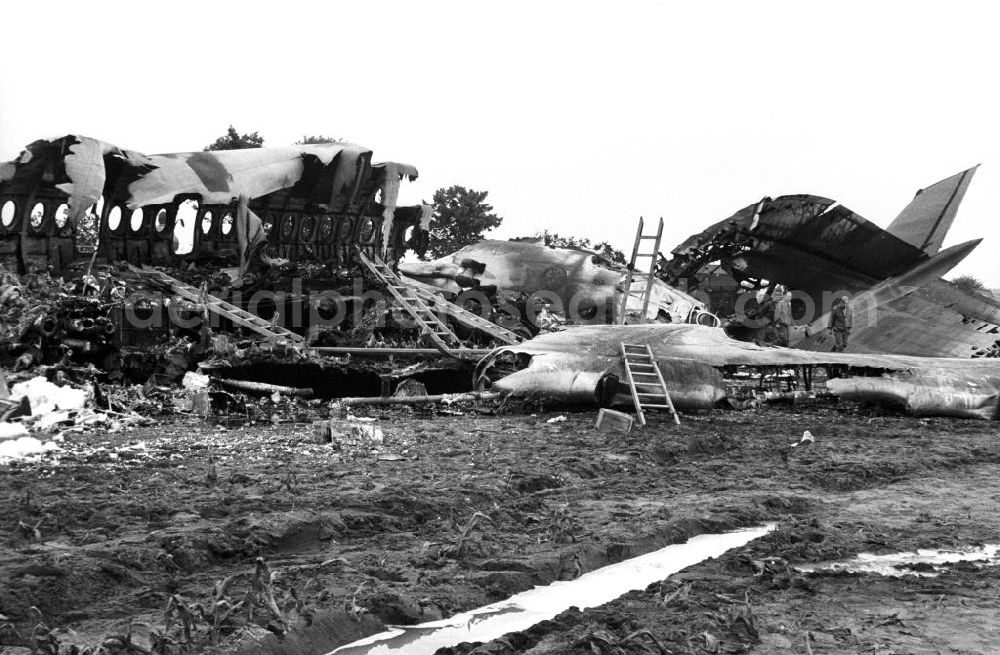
<point x="12" y="431"/>
<point x="46" y="397"/>
<point x="51" y="405"/>
<point x="23" y="447"/>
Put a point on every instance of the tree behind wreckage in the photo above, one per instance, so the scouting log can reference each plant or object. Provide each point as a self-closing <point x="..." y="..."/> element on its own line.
<point x="461" y="216"/>
<point x="233" y="140"/>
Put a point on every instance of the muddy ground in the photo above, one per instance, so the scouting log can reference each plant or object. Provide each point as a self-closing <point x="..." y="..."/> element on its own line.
<point x="265" y="538"/>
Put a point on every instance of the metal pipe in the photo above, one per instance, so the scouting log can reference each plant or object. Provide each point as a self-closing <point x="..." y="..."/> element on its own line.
<point x="413" y="400"/>
<point x="388" y="352"/>
<point x="250" y="385"/>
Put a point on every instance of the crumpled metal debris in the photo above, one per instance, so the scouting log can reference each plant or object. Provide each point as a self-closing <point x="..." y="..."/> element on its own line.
<point x="579" y="286"/>
<point x="820" y="250"/>
<point x="206" y="205"/>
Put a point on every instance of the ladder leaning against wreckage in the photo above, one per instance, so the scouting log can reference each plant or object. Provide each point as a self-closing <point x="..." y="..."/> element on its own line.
<point x="413" y="300"/>
<point x="418" y="302"/>
<point x="219" y="306"/>
<point x="645" y="381"/>
<point x="467" y="318"/>
<point x="632" y="274"/>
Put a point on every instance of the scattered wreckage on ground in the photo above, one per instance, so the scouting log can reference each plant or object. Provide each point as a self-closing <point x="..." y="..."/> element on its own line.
<point x="274" y="270"/>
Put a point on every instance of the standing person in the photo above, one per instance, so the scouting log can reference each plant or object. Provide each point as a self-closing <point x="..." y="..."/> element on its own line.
<point x="782" y="315"/>
<point x="765" y="315"/>
<point x="840" y="324"/>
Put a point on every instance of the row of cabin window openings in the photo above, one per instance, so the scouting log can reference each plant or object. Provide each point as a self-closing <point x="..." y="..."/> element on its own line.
<point x="187" y="210"/>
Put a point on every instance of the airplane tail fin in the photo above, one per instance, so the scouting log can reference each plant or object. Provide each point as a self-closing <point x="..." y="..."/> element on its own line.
<point x="926" y="220"/>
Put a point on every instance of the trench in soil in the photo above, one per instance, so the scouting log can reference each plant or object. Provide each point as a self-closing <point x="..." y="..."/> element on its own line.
<point x="525" y="609"/>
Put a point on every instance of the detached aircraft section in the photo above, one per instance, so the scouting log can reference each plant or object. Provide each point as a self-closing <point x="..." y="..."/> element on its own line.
<point x="822" y="250"/>
<point x="304" y="203"/>
<point x="581" y="285"/>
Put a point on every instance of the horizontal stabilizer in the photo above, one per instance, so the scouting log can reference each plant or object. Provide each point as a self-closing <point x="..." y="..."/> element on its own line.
<point x="927" y="219"/>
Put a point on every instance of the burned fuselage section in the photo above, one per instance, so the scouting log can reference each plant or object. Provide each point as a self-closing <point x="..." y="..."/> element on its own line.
<point x="578" y="285"/>
<point x="272" y="234"/>
<point x="815" y="244"/>
<point x="314" y="203"/>
<point x="821" y="251"/>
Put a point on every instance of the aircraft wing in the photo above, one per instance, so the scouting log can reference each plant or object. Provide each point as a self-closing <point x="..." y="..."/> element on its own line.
<point x="936" y="320"/>
<point x="583" y="365"/>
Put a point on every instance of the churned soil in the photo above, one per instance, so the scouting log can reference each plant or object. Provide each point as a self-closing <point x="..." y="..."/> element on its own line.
<point x="194" y="537"/>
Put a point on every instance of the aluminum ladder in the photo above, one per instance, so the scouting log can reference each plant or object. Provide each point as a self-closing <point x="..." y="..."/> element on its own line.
<point x="466" y="318"/>
<point x="645" y="381"/>
<point x="219" y="306"/>
<point x="436" y="330"/>
<point x="633" y="274"/>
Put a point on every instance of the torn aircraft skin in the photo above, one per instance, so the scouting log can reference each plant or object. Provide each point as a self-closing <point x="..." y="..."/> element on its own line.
<point x="822" y="250"/>
<point x="582" y="365"/>
<point x="587" y="287"/>
<point x="303" y="202"/>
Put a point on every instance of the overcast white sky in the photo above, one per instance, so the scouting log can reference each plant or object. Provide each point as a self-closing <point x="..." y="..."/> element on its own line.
<point x="577" y="117"/>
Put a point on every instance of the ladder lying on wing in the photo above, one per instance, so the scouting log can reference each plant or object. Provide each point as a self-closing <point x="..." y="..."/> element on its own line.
<point x="436" y="330"/>
<point x="649" y="391"/>
<point x="469" y="319"/>
<point x="633" y="274"/>
<point x="221" y="307"/>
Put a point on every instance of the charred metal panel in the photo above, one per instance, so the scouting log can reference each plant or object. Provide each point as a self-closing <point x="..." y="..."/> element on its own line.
<point x="11" y="215"/>
<point x="35" y="231"/>
<point x="159" y="224"/>
<point x="322" y="201"/>
<point x="821" y="249"/>
<point x="47" y="234"/>
<point x="582" y="285"/>
<point x="810" y="242"/>
<point x="113" y="232"/>
<point x="406" y="233"/>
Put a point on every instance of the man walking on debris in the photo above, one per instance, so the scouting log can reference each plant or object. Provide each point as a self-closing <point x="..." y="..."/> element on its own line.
<point x="782" y="315"/>
<point x="840" y="324"/>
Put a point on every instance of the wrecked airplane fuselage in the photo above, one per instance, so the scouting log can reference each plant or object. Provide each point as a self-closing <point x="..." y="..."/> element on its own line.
<point x="581" y="285"/>
<point x="821" y="250"/>
<point x="582" y="365"/>
<point x="305" y="203"/>
<point x="266" y="240"/>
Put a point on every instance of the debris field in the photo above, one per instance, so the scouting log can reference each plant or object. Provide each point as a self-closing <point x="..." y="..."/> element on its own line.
<point x="239" y="424"/>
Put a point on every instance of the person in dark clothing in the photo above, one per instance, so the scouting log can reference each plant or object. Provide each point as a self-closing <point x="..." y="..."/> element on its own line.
<point x="765" y="314"/>
<point x="840" y="324"/>
<point x="782" y="315"/>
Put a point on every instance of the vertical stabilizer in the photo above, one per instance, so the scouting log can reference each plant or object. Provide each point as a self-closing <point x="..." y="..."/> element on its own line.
<point x="926" y="220"/>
